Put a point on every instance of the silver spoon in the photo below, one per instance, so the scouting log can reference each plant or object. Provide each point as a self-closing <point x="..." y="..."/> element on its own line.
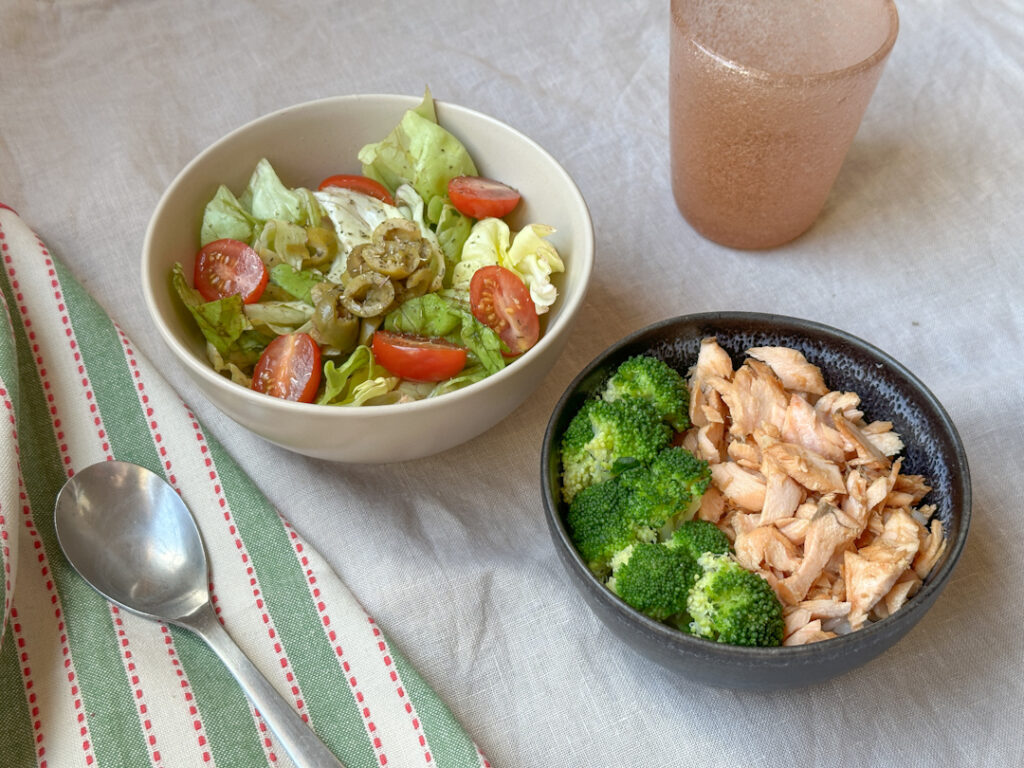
<point x="131" y="537"/>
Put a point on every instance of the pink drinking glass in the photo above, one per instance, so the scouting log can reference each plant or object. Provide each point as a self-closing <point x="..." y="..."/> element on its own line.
<point x="765" y="99"/>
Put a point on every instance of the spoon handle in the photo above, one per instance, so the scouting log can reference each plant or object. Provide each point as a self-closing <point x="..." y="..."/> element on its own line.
<point x="298" y="739"/>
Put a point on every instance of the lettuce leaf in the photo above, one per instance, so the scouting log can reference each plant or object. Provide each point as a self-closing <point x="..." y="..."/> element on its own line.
<point x="267" y="198"/>
<point x="420" y="152"/>
<point x="453" y="229"/>
<point x="428" y="315"/>
<point x="355" y="381"/>
<point x="280" y="241"/>
<point x="411" y="206"/>
<point x="222" y="322"/>
<point x="469" y="375"/>
<point x="279" y="317"/>
<point x="532" y="258"/>
<point x="484" y="345"/>
<point x="234" y="372"/>
<point x="225" y="217"/>
<point x="246" y="351"/>
<point x="297" y="282"/>
<point x="488" y="239"/>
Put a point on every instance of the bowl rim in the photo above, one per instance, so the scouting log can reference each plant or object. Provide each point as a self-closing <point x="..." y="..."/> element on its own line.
<point x="862" y="640"/>
<point x="583" y="264"/>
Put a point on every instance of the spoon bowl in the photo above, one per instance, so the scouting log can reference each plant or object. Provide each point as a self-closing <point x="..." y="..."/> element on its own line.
<point x="132" y="538"/>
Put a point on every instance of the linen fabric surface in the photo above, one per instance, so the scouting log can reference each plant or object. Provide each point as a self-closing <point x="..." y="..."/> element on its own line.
<point x="87" y="683"/>
<point x="918" y="251"/>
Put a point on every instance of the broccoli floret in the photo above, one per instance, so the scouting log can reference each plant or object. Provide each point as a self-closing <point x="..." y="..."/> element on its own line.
<point x="668" y="490"/>
<point x="656" y="382"/>
<point x="732" y="605"/>
<point x="602" y="434"/>
<point x="600" y="526"/>
<point x="642" y="503"/>
<point x="695" y="537"/>
<point x="654" y="579"/>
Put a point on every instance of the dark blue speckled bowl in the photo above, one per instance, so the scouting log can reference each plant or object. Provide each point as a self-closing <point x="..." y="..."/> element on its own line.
<point x="888" y="391"/>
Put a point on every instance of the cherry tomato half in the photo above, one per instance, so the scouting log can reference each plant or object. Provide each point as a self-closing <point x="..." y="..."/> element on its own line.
<point x="357" y="183"/>
<point x="418" y="358"/>
<point x="501" y="301"/>
<point x="479" y="198"/>
<point x="289" y="368"/>
<point x="226" y="267"/>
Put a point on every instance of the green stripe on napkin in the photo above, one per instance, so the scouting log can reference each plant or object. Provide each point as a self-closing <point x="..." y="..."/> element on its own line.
<point x="86" y="684"/>
<point x="16" y="743"/>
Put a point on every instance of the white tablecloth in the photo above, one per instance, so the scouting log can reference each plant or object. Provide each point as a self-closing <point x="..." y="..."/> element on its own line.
<point x="918" y="251"/>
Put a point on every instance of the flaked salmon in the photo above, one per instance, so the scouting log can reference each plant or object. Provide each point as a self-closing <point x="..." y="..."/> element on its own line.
<point x="792" y="368"/>
<point x="812" y="496"/>
<point x="742" y="487"/>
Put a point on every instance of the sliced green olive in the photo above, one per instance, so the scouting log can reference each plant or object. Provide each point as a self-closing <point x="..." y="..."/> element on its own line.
<point x="355" y="264"/>
<point x="333" y="324"/>
<point x="418" y="283"/>
<point x="397" y="229"/>
<point x="397" y="249"/>
<point x="269" y="257"/>
<point x="368" y="295"/>
<point x="322" y="245"/>
<point x="294" y="253"/>
<point x="367" y="328"/>
<point x="437" y="268"/>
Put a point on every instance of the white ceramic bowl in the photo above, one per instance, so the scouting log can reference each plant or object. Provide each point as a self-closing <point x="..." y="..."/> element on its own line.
<point x="306" y="143"/>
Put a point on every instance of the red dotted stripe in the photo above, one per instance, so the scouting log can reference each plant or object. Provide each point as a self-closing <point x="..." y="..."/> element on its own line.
<point x="137" y="692"/>
<point x="325" y="619"/>
<point x="76" y="353"/>
<point x="389" y="664"/>
<point x="160" y="443"/>
<point x="65" y="649"/>
<point x="37" y="543"/>
<point x="108" y="456"/>
<point x="186" y="689"/>
<point x="30" y="333"/>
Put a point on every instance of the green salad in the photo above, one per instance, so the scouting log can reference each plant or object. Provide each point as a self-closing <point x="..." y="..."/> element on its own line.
<point x="402" y="282"/>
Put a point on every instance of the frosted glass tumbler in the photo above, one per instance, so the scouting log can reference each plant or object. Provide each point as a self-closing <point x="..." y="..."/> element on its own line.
<point x="765" y="99"/>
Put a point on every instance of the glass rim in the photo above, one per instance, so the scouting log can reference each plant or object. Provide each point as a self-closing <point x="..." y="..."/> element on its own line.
<point x="781" y="77"/>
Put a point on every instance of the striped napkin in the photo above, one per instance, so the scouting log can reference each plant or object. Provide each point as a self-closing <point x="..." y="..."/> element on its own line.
<point x="85" y="684"/>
